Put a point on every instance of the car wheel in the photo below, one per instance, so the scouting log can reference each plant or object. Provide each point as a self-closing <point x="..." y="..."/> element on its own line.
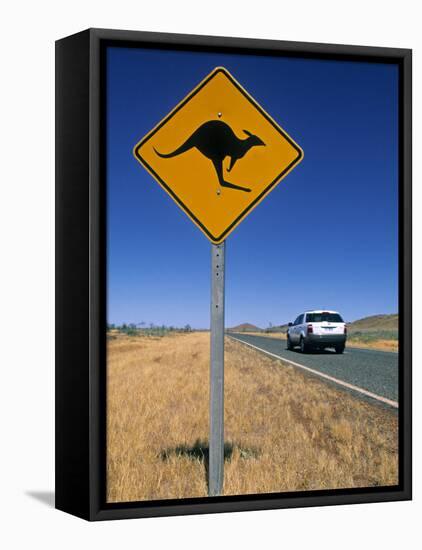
<point x="340" y="349"/>
<point x="289" y="344"/>
<point x="304" y="348"/>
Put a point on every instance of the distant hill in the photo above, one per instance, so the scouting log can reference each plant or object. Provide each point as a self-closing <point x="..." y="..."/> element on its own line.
<point x="371" y="323"/>
<point x="381" y="322"/>
<point x="376" y="322"/>
<point x="245" y="327"/>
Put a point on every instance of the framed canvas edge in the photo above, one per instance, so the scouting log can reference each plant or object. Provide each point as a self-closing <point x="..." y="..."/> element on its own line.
<point x="98" y="509"/>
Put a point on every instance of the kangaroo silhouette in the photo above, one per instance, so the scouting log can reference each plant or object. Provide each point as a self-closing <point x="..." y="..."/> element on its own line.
<point x="216" y="141"/>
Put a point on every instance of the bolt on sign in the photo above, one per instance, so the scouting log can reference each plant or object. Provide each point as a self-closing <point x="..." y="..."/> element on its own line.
<point x="218" y="154"/>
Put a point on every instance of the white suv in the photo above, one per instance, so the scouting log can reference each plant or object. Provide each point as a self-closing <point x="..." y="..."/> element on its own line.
<point x="317" y="329"/>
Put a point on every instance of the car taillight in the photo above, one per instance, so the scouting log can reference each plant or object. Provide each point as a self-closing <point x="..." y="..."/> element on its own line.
<point x="345" y="329"/>
<point x="310" y="329"/>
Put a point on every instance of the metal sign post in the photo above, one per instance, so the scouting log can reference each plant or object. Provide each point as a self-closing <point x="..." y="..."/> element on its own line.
<point x="216" y="442"/>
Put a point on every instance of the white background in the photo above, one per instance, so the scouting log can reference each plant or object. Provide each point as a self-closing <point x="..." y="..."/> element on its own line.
<point x="29" y="30"/>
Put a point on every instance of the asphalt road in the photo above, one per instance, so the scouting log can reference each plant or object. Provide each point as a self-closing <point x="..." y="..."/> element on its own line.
<point x="370" y="370"/>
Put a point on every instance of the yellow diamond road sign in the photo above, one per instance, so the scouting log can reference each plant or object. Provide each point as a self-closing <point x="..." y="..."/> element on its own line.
<point x="218" y="154"/>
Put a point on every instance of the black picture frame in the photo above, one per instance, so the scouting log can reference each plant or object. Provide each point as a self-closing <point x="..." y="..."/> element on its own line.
<point x="81" y="274"/>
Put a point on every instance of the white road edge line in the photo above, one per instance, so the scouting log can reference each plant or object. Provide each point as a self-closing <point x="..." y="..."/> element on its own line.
<point x="323" y="375"/>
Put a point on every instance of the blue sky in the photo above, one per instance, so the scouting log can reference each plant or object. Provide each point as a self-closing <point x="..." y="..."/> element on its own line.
<point x="326" y="237"/>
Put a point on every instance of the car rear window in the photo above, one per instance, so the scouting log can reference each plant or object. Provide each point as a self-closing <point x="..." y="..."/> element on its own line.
<point x="323" y="317"/>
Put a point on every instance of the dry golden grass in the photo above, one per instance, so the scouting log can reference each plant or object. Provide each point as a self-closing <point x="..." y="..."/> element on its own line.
<point x="284" y="430"/>
<point x="383" y="345"/>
